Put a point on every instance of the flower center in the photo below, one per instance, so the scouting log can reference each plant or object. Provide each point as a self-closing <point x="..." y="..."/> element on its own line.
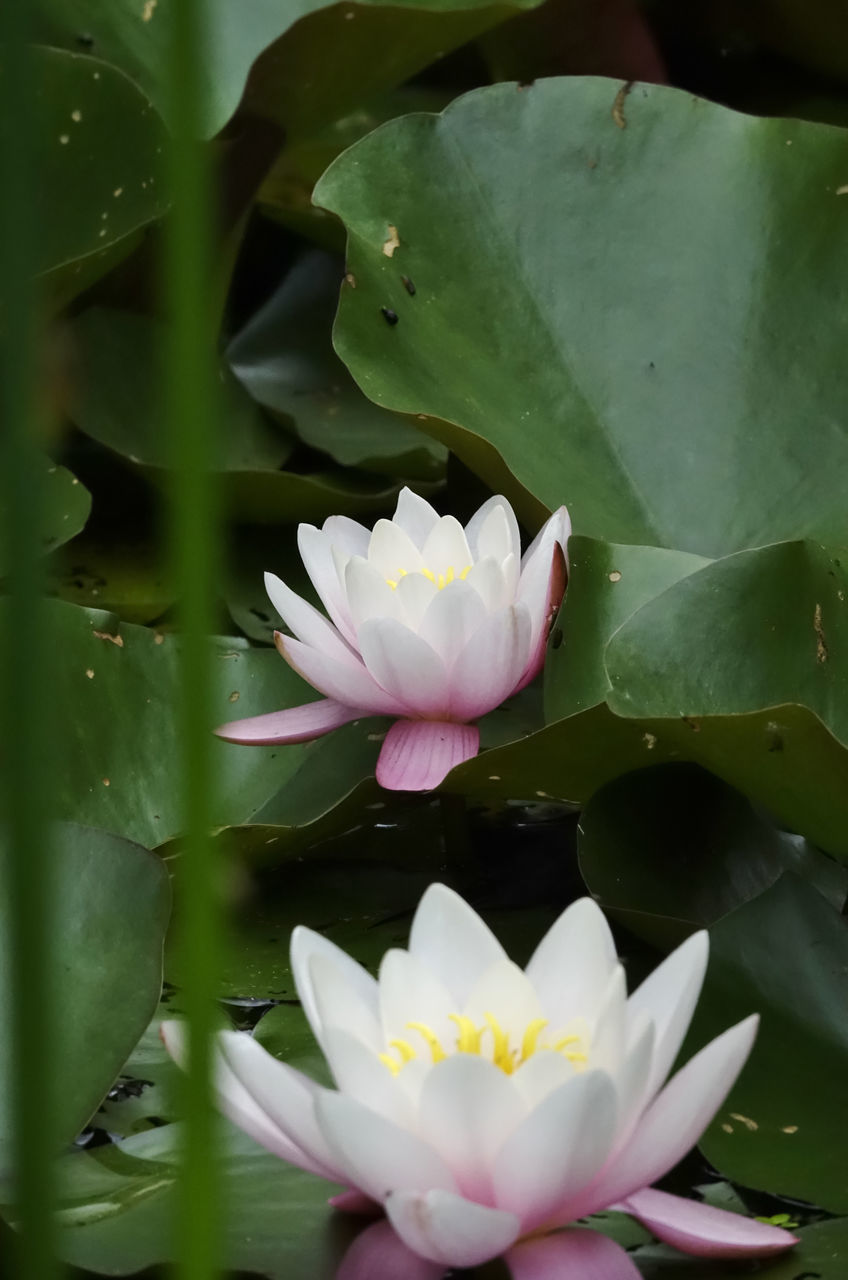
<point x="488" y="1041"/>
<point x="440" y="579"/>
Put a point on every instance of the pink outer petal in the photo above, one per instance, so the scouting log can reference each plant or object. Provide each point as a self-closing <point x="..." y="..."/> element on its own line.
<point x="417" y="755"/>
<point x="345" y="682"/>
<point x="355" y="1202"/>
<point x="543" y="599"/>
<point x="703" y="1230"/>
<point x="445" y="1228"/>
<point x="380" y="1254"/>
<point x="571" y="1255"/>
<point x="293" y="724"/>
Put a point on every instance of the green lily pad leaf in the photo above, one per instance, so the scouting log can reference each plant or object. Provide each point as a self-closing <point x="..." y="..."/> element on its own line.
<point x="323" y="64"/>
<point x="66" y="505"/>
<point x="676" y="843"/>
<point x="118" y="1210"/>
<point x="285" y="359"/>
<point x="784" y="955"/>
<point x="96" y="942"/>
<point x="99" y="157"/>
<point x="115" y="399"/>
<point x="119" y="690"/>
<point x="127" y="578"/>
<point x="649" y="388"/>
<point x="742" y="668"/>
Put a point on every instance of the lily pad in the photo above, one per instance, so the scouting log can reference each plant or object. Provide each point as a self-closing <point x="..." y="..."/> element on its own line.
<point x="676" y="843"/>
<point x="124" y="577"/>
<point x="96" y="943"/>
<point x="99" y="161"/>
<point x="118" y="693"/>
<point x="785" y="955"/>
<point x="66" y="505"/>
<point x="285" y="359"/>
<point x="650" y="383"/>
<point x="743" y="667"/>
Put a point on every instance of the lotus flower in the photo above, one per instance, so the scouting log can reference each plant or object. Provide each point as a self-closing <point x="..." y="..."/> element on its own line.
<point x="428" y="622"/>
<point x="482" y="1107"/>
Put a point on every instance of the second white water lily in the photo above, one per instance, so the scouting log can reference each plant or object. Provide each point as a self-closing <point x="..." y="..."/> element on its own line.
<point x="479" y="1105"/>
<point x="429" y="622"/>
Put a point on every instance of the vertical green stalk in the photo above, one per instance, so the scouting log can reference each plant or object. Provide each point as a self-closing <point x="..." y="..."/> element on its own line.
<point x="26" y="785"/>
<point x="190" y="423"/>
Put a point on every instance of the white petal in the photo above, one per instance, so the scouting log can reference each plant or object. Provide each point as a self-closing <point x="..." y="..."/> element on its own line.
<point x="369" y="595"/>
<point x="448" y="1229"/>
<point x="468" y="1108"/>
<point x="376" y="1155"/>
<point x="286" y="1096"/>
<point x="678" y="1115"/>
<point x="339" y="1004"/>
<point x="669" y="996"/>
<point x="304" y="621"/>
<point x="449" y="937"/>
<point x="556" y="529"/>
<point x="415" y="592"/>
<point x="608" y="1038"/>
<point x="504" y="991"/>
<point x="391" y="550"/>
<point x="359" y="1073"/>
<point x="633" y="1076"/>
<point x="557" y="1150"/>
<point x="348" y="535"/>
<point x="481" y="521"/>
<point x="487" y="579"/>
<point x="450" y="622"/>
<point x="488" y="668"/>
<point x="237" y="1105"/>
<point x="348" y="976"/>
<point x="415" y="516"/>
<point x="411" y="992"/>
<point x="446" y="547"/>
<point x="541" y="1074"/>
<point x="573" y="963"/>
<point x="348" y="683"/>
<point x="403" y="664"/>
<point x="316" y="552"/>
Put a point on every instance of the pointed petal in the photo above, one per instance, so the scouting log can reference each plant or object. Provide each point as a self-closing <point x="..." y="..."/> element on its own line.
<point x="415" y="593"/>
<point x="487" y="579"/>
<point x="557" y="1151"/>
<point x="348" y="683"/>
<point x="556" y="529"/>
<point x="448" y="1229"/>
<point x="304" y="621"/>
<point x="668" y="996"/>
<point x="349" y="535"/>
<point x="449" y="937"/>
<point x="571" y="1255"/>
<point x="391" y="550"/>
<point x="468" y="1108"/>
<point x="359" y="1073"/>
<point x="380" y="1254"/>
<point x="707" y="1232"/>
<point x="316" y="552"/>
<point x="573" y="963"/>
<point x="502" y="543"/>
<point x="446" y="547"/>
<point x="292" y="724"/>
<point x="339" y="1004"/>
<point x="541" y="1074"/>
<point x="354" y="982"/>
<point x="488" y="667"/>
<point x="505" y="991"/>
<point x="286" y="1096"/>
<point x="376" y="1155"/>
<point x="451" y="620"/>
<point x="631" y="1081"/>
<point x="403" y="664"/>
<point x="369" y="594"/>
<point x="411" y="992"/>
<point x="417" y="755"/>
<point x="234" y="1101"/>
<point x="541" y="589"/>
<point x="608" y="1040"/>
<point x="415" y="516"/>
<point x="677" y="1117"/>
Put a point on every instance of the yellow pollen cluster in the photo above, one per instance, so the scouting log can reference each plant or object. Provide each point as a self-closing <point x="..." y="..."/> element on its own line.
<point x="440" y="579"/>
<point x="470" y="1039"/>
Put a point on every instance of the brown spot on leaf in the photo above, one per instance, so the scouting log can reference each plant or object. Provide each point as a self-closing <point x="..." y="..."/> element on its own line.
<point x="107" y="635"/>
<point x="90" y="673"/>
<point x="234" y="696"/>
<point x="392" y="243"/>
<point x="749" y="1124"/>
<point x="789" y="1128"/>
<point x="615" y="576"/>
<point x="618" y="105"/>
<point x="821" y="646"/>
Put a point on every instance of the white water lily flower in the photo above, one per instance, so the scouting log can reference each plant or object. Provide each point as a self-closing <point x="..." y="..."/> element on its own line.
<point x="428" y="622"/>
<point x="479" y="1105"/>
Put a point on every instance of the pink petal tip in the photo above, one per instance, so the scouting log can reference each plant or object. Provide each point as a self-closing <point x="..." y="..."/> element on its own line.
<point x="701" y="1229"/>
<point x="417" y="755"/>
<point x="294" y="724"/>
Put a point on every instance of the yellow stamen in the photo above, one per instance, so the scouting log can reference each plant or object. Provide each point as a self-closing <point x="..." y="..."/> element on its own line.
<point x="531" y="1035"/>
<point x="565" y="1042"/>
<point x="469" y="1036"/>
<point x="404" y="1048"/>
<point x="432" y="1040"/>
<point x="440" y="580"/>
<point x="502" y="1057"/>
<point x="390" y="1062"/>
